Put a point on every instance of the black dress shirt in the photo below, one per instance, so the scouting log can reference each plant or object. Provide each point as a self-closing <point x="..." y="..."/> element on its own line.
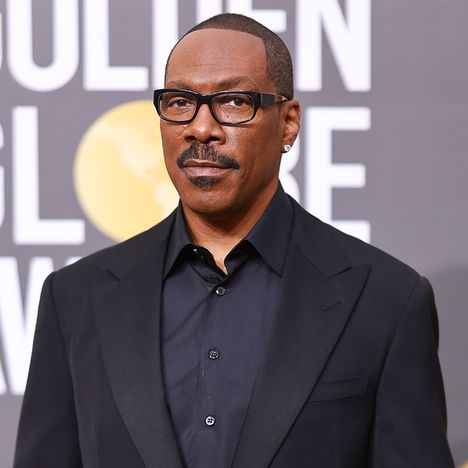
<point x="214" y="329"/>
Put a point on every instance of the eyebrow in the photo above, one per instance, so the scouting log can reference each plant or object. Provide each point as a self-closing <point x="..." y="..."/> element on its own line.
<point x="229" y="83"/>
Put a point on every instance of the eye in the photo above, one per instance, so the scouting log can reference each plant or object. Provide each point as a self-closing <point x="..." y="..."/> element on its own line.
<point x="239" y="101"/>
<point x="235" y="100"/>
<point x="178" y="102"/>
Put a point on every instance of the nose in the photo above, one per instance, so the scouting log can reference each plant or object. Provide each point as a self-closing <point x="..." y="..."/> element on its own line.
<point x="204" y="128"/>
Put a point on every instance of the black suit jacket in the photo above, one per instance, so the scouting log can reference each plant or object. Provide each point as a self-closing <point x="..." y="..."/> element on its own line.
<point x="350" y="379"/>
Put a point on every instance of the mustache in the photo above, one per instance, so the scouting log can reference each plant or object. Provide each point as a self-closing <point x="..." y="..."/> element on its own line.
<point x="206" y="152"/>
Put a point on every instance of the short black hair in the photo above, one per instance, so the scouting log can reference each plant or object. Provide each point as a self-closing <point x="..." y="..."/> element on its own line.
<point x="278" y="58"/>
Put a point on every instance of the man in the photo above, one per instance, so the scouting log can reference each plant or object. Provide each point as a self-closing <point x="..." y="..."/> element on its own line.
<point x="241" y="331"/>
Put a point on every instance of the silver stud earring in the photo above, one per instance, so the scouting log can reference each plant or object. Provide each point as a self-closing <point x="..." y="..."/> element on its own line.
<point x="286" y="148"/>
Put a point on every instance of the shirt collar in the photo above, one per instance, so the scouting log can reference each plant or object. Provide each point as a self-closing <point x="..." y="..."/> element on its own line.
<point x="178" y="239"/>
<point x="270" y="236"/>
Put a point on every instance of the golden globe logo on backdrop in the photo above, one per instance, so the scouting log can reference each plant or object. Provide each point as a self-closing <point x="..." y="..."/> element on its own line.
<point x="119" y="178"/>
<point x="119" y="173"/>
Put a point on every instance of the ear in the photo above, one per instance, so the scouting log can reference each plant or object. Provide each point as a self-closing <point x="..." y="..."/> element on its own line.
<point x="292" y="121"/>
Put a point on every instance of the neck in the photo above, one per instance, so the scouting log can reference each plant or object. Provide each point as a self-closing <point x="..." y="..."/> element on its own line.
<point x="221" y="233"/>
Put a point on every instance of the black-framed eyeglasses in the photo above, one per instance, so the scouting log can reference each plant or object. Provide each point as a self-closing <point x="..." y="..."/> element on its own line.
<point x="233" y="107"/>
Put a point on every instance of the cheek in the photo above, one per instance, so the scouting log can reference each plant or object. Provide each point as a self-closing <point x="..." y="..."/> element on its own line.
<point x="171" y="144"/>
<point x="258" y="149"/>
<point x="247" y="143"/>
<point x="171" y="151"/>
<point x="268" y="132"/>
<point x="171" y="133"/>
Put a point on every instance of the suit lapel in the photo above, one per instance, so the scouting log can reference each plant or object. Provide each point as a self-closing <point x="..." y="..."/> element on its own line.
<point x="316" y="300"/>
<point x="127" y="312"/>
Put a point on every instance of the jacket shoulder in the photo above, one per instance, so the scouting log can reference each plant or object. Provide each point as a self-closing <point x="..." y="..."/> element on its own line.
<point x="351" y="249"/>
<point x="124" y="256"/>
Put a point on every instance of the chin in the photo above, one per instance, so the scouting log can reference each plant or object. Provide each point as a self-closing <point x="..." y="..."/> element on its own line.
<point x="204" y="182"/>
<point x="207" y="202"/>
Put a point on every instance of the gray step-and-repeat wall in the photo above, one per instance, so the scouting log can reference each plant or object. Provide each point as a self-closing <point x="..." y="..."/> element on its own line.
<point x="382" y="152"/>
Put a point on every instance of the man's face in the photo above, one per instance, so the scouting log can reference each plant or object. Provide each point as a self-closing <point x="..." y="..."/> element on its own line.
<point x="221" y="171"/>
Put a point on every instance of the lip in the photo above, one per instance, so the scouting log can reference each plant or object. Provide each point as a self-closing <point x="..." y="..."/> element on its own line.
<point x="204" y="171"/>
<point x="203" y="168"/>
<point x="203" y="163"/>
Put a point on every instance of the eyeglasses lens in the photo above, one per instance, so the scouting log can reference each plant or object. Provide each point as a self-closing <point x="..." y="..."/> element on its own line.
<point x="233" y="108"/>
<point x="177" y="106"/>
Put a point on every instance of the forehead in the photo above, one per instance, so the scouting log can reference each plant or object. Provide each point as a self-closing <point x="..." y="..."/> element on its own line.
<point x="212" y="59"/>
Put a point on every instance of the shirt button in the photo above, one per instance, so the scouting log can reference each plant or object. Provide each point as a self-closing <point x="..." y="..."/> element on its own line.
<point x="213" y="354"/>
<point x="210" y="421"/>
<point x="220" y="291"/>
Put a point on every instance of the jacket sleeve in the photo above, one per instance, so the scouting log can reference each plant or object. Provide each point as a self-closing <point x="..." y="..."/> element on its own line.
<point x="410" y="416"/>
<point x="48" y="432"/>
